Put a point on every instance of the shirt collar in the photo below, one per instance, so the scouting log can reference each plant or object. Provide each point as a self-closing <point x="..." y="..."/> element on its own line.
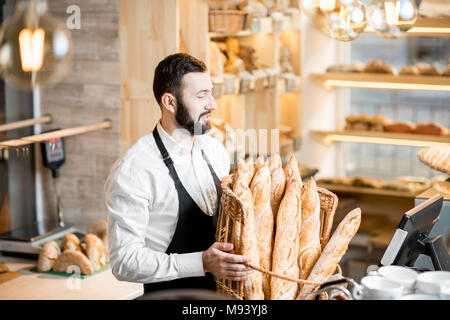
<point x="173" y="146"/>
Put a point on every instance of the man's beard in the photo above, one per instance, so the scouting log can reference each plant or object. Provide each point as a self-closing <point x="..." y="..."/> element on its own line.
<point x="185" y="120"/>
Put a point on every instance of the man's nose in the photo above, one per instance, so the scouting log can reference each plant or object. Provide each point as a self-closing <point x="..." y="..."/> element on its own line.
<point x="212" y="105"/>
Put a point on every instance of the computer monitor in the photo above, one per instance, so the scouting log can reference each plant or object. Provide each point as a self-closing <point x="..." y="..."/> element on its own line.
<point x="412" y="237"/>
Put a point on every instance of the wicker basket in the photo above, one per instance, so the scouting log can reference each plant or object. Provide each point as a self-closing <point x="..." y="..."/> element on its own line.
<point x="226" y="20"/>
<point x="232" y="209"/>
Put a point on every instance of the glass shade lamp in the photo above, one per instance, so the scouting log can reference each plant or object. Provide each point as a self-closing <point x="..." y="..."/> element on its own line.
<point x="392" y="18"/>
<point x="35" y="48"/>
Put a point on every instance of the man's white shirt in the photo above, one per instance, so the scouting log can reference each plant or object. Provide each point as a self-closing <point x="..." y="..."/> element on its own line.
<point x="142" y="205"/>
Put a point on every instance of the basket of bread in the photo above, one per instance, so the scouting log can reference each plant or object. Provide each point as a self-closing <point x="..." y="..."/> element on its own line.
<point x="70" y="255"/>
<point x="284" y="226"/>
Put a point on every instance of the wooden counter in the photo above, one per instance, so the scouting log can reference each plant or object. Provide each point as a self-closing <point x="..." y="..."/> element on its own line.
<point x="41" y="286"/>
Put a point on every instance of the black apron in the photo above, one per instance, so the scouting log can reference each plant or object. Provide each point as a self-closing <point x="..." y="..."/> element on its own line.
<point x="195" y="231"/>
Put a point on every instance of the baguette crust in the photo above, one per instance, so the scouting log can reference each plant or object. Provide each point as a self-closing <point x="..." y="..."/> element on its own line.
<point x="309" y="240"/>
<point x="275" y="162"/>
<point x="285" y="251"/>
<point x="261" y="191"/>
<point x="333" y="251"/>
<point x="95" y="251"/>
<point x="240" y="183"/>
<point x="71" y="242"/>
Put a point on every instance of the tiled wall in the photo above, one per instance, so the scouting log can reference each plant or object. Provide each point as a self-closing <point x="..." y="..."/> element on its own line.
<point x="386" y="161"/>
<point x="89" y="94"/>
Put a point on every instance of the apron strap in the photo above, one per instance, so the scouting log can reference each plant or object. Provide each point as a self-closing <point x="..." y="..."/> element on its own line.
<point x="218" y="185"/>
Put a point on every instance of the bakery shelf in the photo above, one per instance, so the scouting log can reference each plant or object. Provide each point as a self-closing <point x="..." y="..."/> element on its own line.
<point x="363" y="190"/>
<point x="400" y="139"/>
<point x="331" y="80"/>
<point x="426" y="27"/>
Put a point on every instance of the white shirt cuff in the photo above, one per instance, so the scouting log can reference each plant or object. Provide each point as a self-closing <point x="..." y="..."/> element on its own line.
<point x="190" y="264"/>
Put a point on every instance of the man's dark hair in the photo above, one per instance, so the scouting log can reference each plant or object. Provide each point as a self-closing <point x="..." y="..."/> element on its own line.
<point x="170" y="71"/>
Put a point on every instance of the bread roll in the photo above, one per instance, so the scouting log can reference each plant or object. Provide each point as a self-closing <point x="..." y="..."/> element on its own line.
<point x="3" y="267"/>
<point x="286" y="245"/>
<point x="95" y="251"/>
<point x="333" y="251"/>
<point x="71" y="261"/>
<point x="400" y="127"/>
<point x="261" y="191"/>
<point x="430" y="129"/>
<point x="100" y="229"/>
<point x="252" y="285"/>
<point x="378" y="66"/>
<point x="426" y="69"/>
<point x="309" y="239"/>
<point x="48" y="255"/>
<point x="409" y="70"/>
<point x="71" y="242"/>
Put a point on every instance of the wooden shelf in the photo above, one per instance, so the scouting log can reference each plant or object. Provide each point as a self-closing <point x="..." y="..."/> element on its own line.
<point x="415" y="140"/>
<point x="331" y="80"/>
<point x="426" y="27"/>
<point x="362" y="190"/>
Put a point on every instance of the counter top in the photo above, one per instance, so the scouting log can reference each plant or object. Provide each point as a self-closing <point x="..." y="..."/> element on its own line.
<point x="42" y="286"/>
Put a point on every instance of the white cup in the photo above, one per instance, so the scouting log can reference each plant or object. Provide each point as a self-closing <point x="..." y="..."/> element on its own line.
<point x="380" y="288"/>
<point x="430" y="282"/>
<point x="404" y="276"/>
<point x="418" y="296"/>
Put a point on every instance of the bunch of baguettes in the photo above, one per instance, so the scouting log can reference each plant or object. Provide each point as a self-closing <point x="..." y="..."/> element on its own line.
<point x="282" y="230"/>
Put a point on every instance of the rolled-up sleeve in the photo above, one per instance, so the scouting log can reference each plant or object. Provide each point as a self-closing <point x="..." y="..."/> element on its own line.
<point x="128" y="200"/>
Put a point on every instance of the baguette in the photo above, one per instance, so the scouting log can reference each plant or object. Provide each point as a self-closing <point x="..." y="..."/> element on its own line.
<point x="240" y="181"/>
<point x="258" y="164"/>
<point x="95" y="251"/>
<point x="333" y="251"/>
<point x="275" y="162"/>
<point x="309" y="239"/>
<point x="285" y="251"/>
<point x="292" y="170"/>
<point x="261" y="191"/>
<point x="251" y="167"/>
<point x="249" y="244"/>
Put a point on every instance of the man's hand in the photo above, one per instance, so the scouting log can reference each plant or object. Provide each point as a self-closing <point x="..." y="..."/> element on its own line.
<point x="225" y="265"/>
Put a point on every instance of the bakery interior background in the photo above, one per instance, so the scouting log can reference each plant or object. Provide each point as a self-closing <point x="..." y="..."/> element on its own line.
<point x="115" y="51"/>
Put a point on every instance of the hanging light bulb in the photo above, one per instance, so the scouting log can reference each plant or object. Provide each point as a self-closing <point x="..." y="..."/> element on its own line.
<point x="392" y="18"/>
<point x="35" y="49"/>
<point x="343" y="20"/>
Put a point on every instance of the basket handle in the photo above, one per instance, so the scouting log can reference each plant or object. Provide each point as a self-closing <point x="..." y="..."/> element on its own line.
<point x="299" y="281"/>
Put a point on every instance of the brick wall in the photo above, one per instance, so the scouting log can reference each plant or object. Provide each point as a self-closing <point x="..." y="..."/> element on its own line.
<point x="89" y="93"/>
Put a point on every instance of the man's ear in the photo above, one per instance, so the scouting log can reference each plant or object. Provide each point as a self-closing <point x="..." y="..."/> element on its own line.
<point x="169" y="102"/>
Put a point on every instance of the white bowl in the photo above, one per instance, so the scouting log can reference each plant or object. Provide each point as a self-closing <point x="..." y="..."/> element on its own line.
<point x="418" y="296"/>
<point x="380" y="288"/>
<point x="430" y="282"/>
<point x="405" y="276"/>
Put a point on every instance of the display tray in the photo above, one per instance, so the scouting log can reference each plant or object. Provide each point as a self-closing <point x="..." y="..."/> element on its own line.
<point x="64" y="274"/>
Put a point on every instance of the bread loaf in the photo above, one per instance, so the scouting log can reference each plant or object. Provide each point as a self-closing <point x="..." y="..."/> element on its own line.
<point x="286" y="245"/>
<point x="400" y="127"/>
<point x="430" y="129"/>
<point x="95" y="251"/>
<point x="261" y="191"/>
<point x="48" y="255"/>
<point x="71" y="242"/>
<point x="252" y="285"/>
<point x="409" y="70"/>
<point x="426" y="69"/>
<point x="333" y="251"/>
<point x="378" y="66"/>
<point x="71" y="261"/>
<point x="309" y="239"/>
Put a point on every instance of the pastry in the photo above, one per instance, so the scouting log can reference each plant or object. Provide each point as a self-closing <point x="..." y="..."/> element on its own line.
<point x="71" y="261"/>
<point x="71" y="242"/>
<point x="436" y="157"/>
<point x="426" y="69"/>
<point x="3" y="267"/>
<point x="333" y="251"/>
<point x="48" y="255"/>
<point x="378" y="66"/>
<point x="261" y="192"/>
<point x="430" y="129"/>
<point x="95" y="251"/>
<point x="309" y="239"/>
<point x="400" y="127"/>
<point x="286" y="245"/>
<point x="409" y="70"/>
